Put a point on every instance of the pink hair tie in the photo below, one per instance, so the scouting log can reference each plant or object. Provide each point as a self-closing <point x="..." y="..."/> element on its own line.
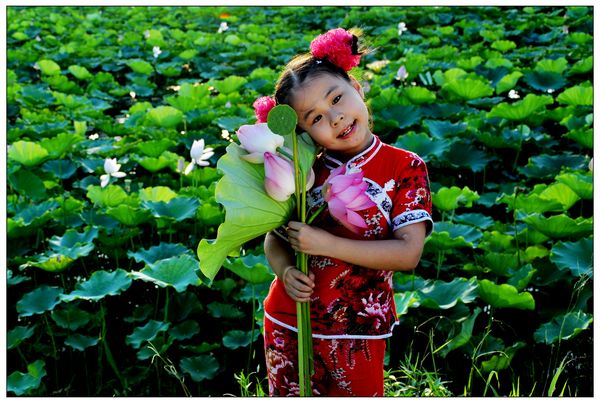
<point x="336" y="46"/>
<point x="262" y="106"/>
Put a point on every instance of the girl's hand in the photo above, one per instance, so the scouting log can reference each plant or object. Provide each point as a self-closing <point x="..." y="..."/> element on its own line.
<point x="298" y="285"/>
<point x="310" y="240"/>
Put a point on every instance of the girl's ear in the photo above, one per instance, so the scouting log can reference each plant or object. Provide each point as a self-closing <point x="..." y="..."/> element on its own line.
<point x="357" y="86"/>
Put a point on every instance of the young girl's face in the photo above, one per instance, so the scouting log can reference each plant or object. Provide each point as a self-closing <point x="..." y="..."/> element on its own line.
<point x="332" y="111"/>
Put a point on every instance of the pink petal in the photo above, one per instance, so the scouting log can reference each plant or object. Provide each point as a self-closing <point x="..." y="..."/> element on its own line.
<point x="360" y="203"/>
<point x="337" y="210"/>
<point x="348" y="195"/>
<point x="355" y="219"/>
<point x="341" y="182"/>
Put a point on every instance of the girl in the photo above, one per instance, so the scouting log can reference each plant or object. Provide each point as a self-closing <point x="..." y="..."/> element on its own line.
<point x="350" y="281"/>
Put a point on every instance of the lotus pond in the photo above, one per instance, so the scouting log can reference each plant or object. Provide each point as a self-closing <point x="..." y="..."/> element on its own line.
<point x="104" y="292"/>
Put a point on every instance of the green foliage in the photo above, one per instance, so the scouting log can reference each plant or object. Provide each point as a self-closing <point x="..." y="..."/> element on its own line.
<point x="498" y="102"/>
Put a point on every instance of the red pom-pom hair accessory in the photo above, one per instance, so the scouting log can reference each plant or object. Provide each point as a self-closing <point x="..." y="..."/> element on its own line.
<point x="338" y="46"/>
<point x="262" y="106"/>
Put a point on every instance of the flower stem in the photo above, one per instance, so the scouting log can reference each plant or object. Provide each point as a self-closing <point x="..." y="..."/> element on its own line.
<point x="316" y="213"/>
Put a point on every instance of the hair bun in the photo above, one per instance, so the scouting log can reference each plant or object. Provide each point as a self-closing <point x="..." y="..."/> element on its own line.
<point x="339" y="46"/>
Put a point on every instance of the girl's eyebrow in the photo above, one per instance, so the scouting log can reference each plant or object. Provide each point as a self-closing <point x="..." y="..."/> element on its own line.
<point x="329" y="91"/>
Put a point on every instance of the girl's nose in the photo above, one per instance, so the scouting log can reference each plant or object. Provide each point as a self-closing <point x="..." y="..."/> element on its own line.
<point x="338" y="117"/>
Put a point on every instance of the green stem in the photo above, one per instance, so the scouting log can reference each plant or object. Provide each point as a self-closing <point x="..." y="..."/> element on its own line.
<point x="108" y="353"/>
<point x="316" y="213"/>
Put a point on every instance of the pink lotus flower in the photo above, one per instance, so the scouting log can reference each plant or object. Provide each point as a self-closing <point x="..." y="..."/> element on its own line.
<point x="262" y="107"/>
<point x="279" y="177"/>
<point x="345" y="194"/>
<point x="257" y="140"/>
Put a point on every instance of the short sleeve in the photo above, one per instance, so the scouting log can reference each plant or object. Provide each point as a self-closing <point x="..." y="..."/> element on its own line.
<point x="412" y="199"/>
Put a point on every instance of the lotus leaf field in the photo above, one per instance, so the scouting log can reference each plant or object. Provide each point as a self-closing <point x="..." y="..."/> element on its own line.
<point x="104" y="292"/>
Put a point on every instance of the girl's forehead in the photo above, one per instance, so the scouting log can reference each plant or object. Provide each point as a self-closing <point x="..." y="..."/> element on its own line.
<point x="314" y="88"/>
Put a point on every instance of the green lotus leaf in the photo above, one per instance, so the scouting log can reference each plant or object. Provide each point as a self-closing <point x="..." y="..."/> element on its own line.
<point x="129" y="215"/>
<point x="230" y="85"/>
<point x="16" y="336"/>
<point x="157" y="194"/>
<point x="400" y="116"/>
<point x="154" y="37"/>
<point x="575" y="256"/>
<point x="80" y="342"/>
<point x="188" y="54"/>
<point x="463" y="337"/>
<point x="443" y="295"/>
<point x="221" y="310"/>
<point x="585" y="137"/>
<point x="497" y="63"/>
<point x="201" y="367"/>
<point x="52" y="262"/>
<point x="449" y="199"/>
<point x="234" y="339"/>
<point x="520" y="278"/>
<point x="562" y="194"/>
<point x="62" y="169"/>
<point x="60" y="144"/>
<point x="152" y="164"/>
<point x="37" y="213"/>
<point x="100" y="284"/>
<point x="282" y="120"/>
<point x="469" y="63"/>
<point x="80" y="72"/>
<point x="423" y="145"/>
<point x="419" y="95"/>
<point x="503" y="45"/>
<point x="72" y="238"/>
<point x="544" y="165"/>
<point x="531" y="203"/>
<point x="468" y="88"/>
<point x="523" y="109"/>
<point x="544" y="80"/>
<point x="563" y="327"/>
<point x="40" y="300"/>
<point x="231" y="123"/>
<point x="577" y="96"/>
<point x="581" y="184"/>
<point x="557" y="66"/>
<point x="71" y="317"/>
<point x="499" y="263"/>
<point x="110" y="196"/>
<point x="508" y="82"/>
<point x="179" y="208"/>
<point x="443" y="128"/>
<point x="475" y="219"/>
<point x="465" y="155"/>
<point x="503" y="359"/>
<point x="165" y="116"/>
<point x="504" y="296"/>
<point x="27" y="153"/>
<point x="161" y="344"/>
<point x="159" y="252"/>
<point x="250" y="212"/>
<point x="185" y="330"/>
<point x="404" y="301"/>
<point x="560" y="226"/>
<point x="458" y="232"/>
<point x="48" y="67"/>
<point x="535" y="252"/>
<point x="184" y="104"/>
<point x="28" y="184"/>
<point x="209" y="214"/>
<point x="251" y="268"/>
<point x="36" y="95"/>
<point x="178" y="272"/>
<point x="140" y="66"/>
<point x="582" y="66"/>
<point x="154" y="148"/>
<point x="20" y="383"/>
<point x="146" y="333"/>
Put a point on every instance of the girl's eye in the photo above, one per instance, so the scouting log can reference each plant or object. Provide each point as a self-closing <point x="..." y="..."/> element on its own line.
<point x="337" y="99"/>
<point x="316" y="119"/>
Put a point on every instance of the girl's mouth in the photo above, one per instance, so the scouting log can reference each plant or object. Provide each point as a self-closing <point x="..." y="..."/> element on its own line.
<point x="348" y="131"/>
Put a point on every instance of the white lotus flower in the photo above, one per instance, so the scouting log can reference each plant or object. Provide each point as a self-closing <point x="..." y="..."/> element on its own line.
<point x="199" y="155"/>
<point x="156" y="51"/>
<point x="401" y="28"/>
<point x="223" y="27"/>
<point x="402" y="74"/>
<point x="112" y="169"/>
<point x="512" y="94"/>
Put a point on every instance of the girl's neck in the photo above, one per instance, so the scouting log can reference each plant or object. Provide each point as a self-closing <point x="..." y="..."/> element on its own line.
<point x="346" y="156"/>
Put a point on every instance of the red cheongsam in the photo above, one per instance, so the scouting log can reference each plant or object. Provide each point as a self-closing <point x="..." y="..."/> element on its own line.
<point x="352" y="307"/>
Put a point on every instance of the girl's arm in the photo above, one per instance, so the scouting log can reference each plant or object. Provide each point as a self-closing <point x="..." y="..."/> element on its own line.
<point x="283" y="262"/>
<point x="401" y="253"/>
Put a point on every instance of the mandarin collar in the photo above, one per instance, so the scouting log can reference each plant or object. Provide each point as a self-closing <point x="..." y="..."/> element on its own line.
<point x="358" y="160"/>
